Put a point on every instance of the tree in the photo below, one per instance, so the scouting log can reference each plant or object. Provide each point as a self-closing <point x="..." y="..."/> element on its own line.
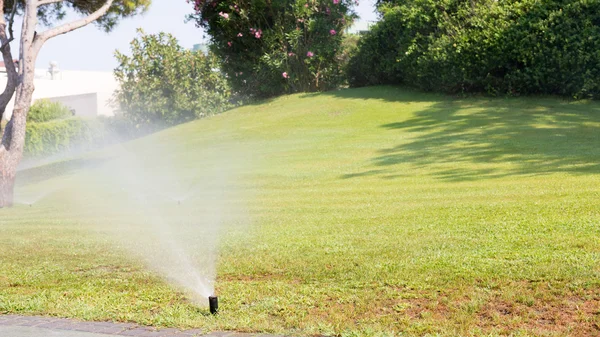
<point x="105" y="13"/>
<point x="271" y="47"/>
<point x="162" y="83"/>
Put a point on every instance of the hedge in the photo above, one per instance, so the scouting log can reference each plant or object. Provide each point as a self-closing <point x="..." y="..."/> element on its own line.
<point x="64" y="135"/>
<point x="44" y="110"/>
<point x="497" y="47"/>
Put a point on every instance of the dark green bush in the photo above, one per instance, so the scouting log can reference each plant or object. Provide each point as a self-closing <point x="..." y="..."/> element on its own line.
<point x="64" y="135"/>
<point x="44" y="110"/>
<point x="497" y="47"/>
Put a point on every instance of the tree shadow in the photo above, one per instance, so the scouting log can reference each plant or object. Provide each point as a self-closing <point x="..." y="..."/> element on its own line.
<point x="468" y="139"/>
<point x="388" y="93"/>
<point x="46" y="172"/>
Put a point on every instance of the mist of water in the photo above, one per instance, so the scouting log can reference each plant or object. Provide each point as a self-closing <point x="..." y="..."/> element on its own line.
<point x="32" y="196"/>
<point x="165" y="209"/>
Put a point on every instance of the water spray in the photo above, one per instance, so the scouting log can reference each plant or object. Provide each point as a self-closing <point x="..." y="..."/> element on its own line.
<point x="213" y="303"/>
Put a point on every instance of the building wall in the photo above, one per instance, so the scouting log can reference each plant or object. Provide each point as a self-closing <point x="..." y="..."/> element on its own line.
<point x="74" y="84"/>
<point x="106" y="106"/>
<point x="85" y="105"/>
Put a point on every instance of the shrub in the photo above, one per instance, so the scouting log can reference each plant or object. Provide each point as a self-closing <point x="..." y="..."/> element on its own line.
<point x="498" y="47"/>
<point x="273" y="47"/>
<point x="349" y="48"/>
<point x="161" y="83"/>
<point x="44" y="110"/>
<point x="63" y="135"/>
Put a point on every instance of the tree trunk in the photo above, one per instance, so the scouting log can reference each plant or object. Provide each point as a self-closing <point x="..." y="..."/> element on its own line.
<point x="13" y="137"/>
<point x="7" y="185"/>
<point x="11" y="151"/>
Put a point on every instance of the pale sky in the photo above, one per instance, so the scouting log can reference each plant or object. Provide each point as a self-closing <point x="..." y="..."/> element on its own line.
<point x="91" y="49"/>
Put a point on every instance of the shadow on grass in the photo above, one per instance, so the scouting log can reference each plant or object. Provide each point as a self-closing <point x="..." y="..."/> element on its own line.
<point x="45" y="172"/>
<point x="474" y="138"/>
<point x="383" y="93"/>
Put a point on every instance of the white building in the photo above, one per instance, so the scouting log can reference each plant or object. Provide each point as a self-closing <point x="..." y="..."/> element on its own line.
<point x="87" y="93"/>
<point x="361" y="27"/>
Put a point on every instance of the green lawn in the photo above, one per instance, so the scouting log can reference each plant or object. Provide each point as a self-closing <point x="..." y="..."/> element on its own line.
<point x="357" y="212"/>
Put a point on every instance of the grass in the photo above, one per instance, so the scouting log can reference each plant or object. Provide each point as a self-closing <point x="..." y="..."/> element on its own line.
<point x="371" y="212"/>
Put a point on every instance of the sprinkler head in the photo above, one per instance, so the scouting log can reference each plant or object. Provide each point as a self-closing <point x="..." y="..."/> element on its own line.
<point x="213" y="303"/>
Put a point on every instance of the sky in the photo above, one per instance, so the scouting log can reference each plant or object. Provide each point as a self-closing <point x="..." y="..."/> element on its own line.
<point x="91" y="49"/>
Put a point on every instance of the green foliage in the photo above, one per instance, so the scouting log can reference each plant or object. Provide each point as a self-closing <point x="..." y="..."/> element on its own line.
<point x="63" y="135"/>
<point x="498" y="47"/>
<point x="44" y="110"/>
<point x="51" y="13"/>
<point x="349" y="48"/>
<point x="162" y="83"/>
<point x="269" y="48"/>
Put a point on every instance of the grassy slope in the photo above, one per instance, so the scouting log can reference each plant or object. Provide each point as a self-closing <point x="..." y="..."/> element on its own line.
<point x="373" y="210"/>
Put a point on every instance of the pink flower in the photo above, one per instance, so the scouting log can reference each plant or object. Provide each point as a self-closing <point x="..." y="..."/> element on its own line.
<point x="229" y="43"/>
<point x="332" y="32"/>
<point x="224" y="15"/>
<point x="306" y="5"/>
<point x="310" y="54"/>
<point x="285" y="75"/>
<point x="258" y="34"/>
<point x="335" y="2"/>
<point x="290" y="54"/>
<point x="240" y="35"/>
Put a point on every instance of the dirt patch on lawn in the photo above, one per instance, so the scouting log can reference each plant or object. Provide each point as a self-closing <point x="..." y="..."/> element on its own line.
<point x="504" y="309"/>
<point x="566" y="314"/>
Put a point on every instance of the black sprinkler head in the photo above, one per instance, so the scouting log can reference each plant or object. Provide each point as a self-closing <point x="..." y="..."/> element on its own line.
<point x="213" y="303"/>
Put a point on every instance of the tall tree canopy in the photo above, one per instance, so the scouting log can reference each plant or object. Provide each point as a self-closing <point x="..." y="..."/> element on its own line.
<point x="52" y="11"/>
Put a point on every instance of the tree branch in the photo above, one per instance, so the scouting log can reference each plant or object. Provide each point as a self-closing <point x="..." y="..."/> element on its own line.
<point x="68" y="27"/>
<point x="11" y="21"/>
<point x="11" y="72"/>
<point x="46" y="2"/>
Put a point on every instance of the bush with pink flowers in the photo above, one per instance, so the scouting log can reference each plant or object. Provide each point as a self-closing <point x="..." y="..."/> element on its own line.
<point x="268" y="48"/>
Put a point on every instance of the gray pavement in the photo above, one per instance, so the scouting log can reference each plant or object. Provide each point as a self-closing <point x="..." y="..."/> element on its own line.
<point x="29" y="331"/>
<point x="36" y="326"/>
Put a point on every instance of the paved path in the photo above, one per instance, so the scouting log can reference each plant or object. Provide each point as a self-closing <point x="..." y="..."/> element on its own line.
<point x="29" y="331"/>
<point x="33" y="326"/>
